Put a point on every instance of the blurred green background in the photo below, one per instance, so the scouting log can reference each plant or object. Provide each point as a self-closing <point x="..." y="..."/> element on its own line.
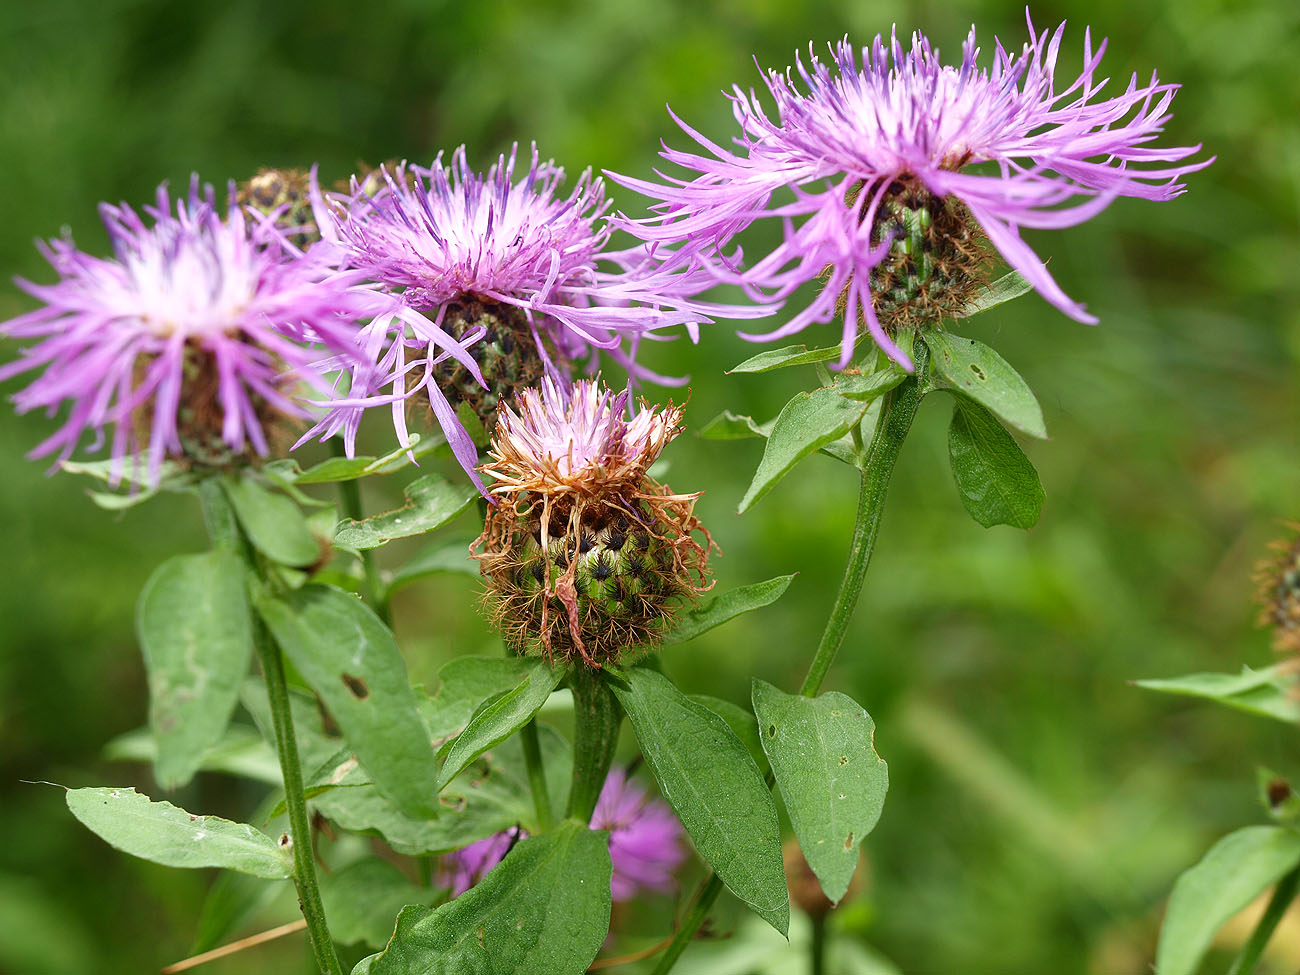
<point x="1040" y="807"/>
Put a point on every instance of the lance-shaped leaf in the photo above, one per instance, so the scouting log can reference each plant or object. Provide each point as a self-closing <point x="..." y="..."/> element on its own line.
<point x="1006" y="288"/>
<point x="973" y="368"/>
<point x="791" y="355"/>
<point x="466" y="682"/>
<point x="833" y="782"/>
<point x="996" y="481"/>
<point x="272" y="522"/>
<point x="1269" y="692"/>
<point x="871" y="386"/>
<point x="733" y="426"/>
<point x="807" y="423"/>
<point x="741" y="722"/>
<point x="500" y="717"/>
<point x="195" y="632"/>
<point x="241" y="751"/>
<point x="351" y="660"/>
<point x="707" y="776"/>
<point x="726" y="606"/>
<point x="166" y="834"/>
<point x="543" y="910"/>
<point x="431" y="502"/>
<point x="1237" y="869"/>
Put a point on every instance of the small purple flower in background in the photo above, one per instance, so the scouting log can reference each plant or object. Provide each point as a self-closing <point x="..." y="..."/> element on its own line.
<point x="503" y="265"/>
<point x="883" y="202"/>
<point x="189" y="341"/>
<point x="645" y="843"/>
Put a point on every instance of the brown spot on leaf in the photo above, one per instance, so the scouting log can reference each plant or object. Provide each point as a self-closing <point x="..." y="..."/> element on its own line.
<point x="357" y="686"/>
<point x="1279" y="791"/>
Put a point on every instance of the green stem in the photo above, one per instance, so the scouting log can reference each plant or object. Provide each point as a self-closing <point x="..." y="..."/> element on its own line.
<point x="537" y="776"/>
<point x="224" y="532"/>
<point x="817" y="947"/>
<point x="897" y="411"/>
<point x="375" y="591"/>
<point x="596" y="718"/>
<point x="1283" y="894"/>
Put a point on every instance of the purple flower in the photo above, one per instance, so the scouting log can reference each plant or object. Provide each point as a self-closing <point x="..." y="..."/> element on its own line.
<point x="645" y="843"/>
<point x="189" y="339"/>
<point x="903" y="128"/>
<point x="443" y="237"/>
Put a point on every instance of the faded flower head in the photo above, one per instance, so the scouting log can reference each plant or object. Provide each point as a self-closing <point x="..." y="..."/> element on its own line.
<point x="645" y="843"/>
<point x="1277" y="583"/>
<point x="584" y="552"/>
<point x="190" y="341"/>
<point x="502" y="264"/>
<point x="285" y="196"/>
<point x="886" y="206"/>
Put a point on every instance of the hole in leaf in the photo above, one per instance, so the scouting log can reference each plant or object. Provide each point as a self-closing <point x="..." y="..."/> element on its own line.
<point x="771" y="731"/>
<point x="844" y="760"/>
<point x="357" y="686"/>
<point x="848" y="843"/>
<point x="843" y="796"/>
<point x="980" y="374"/>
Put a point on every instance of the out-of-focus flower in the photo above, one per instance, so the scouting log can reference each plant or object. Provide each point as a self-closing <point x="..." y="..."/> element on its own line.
<point x="586" y="554"/>
<point x="504" y="265"/>
<point x="900" y="167"/>
<point x="1277" y="583"/>
<point x="191" y="341"/>
<point x="645" y="843"/>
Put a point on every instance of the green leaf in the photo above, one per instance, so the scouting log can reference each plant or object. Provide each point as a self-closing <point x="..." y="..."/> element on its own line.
<point x="733" y="426"/>
<point x="465" y="683"/>
<point x="1237" y="869"/>
<point x="491" y="795"/>
<point x="233" y="900"/>
<point x="166" y="834"/>
<point x="347" y="655"/>
<point x="543" y="910"/>
<point x="472" y="423"/>
<point x="241" y="751"/>
<point x="273" y="523"/>
<point x="1269" y="692"/>
<point x="996" y="481"/>
<point x="362" y="899"/>
<point x="871" y="386"/>
<point x="824" y="758"/>
<point x="726" y="606"/>
<point x="1277" y="797"/>
<point x="973" y="368"/>
<point x="791" y="355"/>
<point x="431" y="502"/>
<point x="133" y="472"/>
<point x="350" y="468"/>
<point x="807" y="423"/>
<point x="739" y="720"/>
<point x="707" y="776"/>
<point x="195" y="632"/>
<point x="1006" y="288"/>
<point x="438" y="557"/>
<point x="500" y="717"/>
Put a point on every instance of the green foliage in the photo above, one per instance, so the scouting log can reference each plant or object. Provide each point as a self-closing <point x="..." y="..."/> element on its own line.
<point x="544" y="910"/>
<point x="272" y="522"/>
<point x="732" y="426"/>
<point x="726" y="606"/>
<point x="195" y="632"/>
<point x="363" y="898"/>
<point x="499" y="717"/>
<point x="972" y="368"/>
<point x="241" y="751"/>
<point x="466" y="682"/>
<point x="707" y="776"/>
<point x="996" y="481"/>
<point x="791" y="355"/>
<point x="1269" y="692"/>
<point x="739" y="720"/>
<point x="808" y="422"/>
<point x="351" y="660"/>
<point x="433" y="559"/>
<point x="824" y="758"/>
<point x="163" y="833"/>
<point x="1237" y="869"/>
<point x="1006" y="288"/>
<point x="431" y="502"/>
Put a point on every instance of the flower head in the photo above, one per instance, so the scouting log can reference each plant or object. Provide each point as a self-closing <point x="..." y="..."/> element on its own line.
<point x="503" y="264"/>
<point x="586" y="553"/>
<point x="1277" y="582"/>
<point x="885" y="205"/>
<point x="645" y="843"/>
<point x="190" y="340"/>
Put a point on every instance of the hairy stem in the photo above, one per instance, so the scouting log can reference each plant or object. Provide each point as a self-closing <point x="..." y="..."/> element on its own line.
<point x="596" y="718"/>
<point x="537" y="775"/>
<point x="376" y="592"/>
<point x="897" y="411"/>
<point x="1283" y="894"/>
<point x="225" y="533"/>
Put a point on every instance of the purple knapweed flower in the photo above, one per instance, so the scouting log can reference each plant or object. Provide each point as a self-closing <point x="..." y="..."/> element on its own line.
<point x="189" y="340"/>
<point x="504" y="264"/>
<point x="902" y="147"/>
<point x="645" y="843"/>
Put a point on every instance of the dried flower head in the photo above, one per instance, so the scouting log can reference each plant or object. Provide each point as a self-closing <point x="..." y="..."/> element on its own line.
<point x="285" y="196"/>
<point x="901" y="167"/>
<point x="502" y="264"/>
<point x="1277" y="583"/>
<point x="645" y="843"/>
<point x="585" y="553"/>
<point x="192" y="340"/>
